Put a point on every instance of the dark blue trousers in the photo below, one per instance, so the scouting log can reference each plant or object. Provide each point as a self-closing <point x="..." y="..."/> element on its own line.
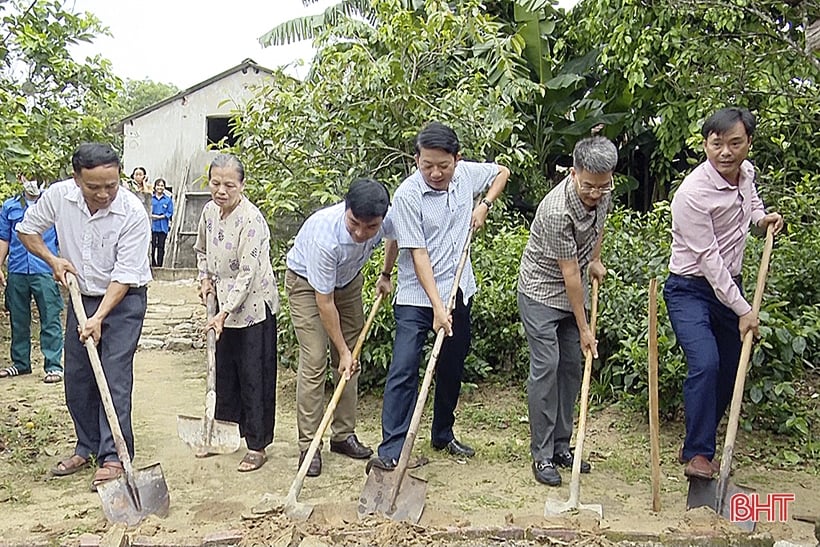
<point x="708" y="332"/>
<point x="120" y="333"/>
<point x="402" y="386"/>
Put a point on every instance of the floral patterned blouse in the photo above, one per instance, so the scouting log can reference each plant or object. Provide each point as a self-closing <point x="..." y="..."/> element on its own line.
<point x="234" y="253"/>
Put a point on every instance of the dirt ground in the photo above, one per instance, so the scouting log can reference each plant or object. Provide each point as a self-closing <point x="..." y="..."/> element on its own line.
<point x="496" y="488"/>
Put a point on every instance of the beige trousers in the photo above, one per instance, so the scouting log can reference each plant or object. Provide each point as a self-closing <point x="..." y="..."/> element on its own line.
<point x="313" y="346"/>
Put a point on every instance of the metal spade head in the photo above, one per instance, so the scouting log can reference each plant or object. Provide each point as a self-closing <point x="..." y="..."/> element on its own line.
<point x="380" y="489"/>
<point x="132" y="501"/>
<point x="224" y="437"/>
<point x="703" y="493"/>
<point x="553" y="508"/>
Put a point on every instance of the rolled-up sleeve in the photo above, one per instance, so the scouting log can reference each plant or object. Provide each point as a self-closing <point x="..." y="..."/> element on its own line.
<point x="132" y="249"/>
<point x="40" y="216"/>
<point x="406" y="218"/>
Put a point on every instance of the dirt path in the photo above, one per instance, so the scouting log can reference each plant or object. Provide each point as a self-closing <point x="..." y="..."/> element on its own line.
<point x="494" y="489"/>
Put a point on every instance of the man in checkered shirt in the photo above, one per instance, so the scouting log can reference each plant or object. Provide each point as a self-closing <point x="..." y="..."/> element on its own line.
<point x="426" y="228"/>
<point x="565" y="244"/>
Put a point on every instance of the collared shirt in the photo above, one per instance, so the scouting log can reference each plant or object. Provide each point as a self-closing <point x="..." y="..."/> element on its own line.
<point x="563" y="229"/>
<point x="325" y="254"/>
<point x="234" y="253"/>
<point x="20" y="260"/>
<point x="109" y="246"/>
<point x="162" y="206"/>
<point x="710" y="222"/>
<point x="439" y="221"/>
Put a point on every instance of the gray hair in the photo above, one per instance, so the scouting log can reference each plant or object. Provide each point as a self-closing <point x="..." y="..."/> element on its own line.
<point x="225" y="161"/>
<point x="595" y="155"/>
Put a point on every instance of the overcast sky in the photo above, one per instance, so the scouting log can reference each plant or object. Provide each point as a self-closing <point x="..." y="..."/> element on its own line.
<point x="184" y="42"/>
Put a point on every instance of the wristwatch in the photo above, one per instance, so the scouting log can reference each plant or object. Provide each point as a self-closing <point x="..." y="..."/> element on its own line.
<point x="487" y="202"/>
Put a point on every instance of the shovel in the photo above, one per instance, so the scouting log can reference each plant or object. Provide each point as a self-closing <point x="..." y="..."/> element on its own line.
<point x="395" y="494"/>
<point x="654" y="428"/>
<point x="554" y="507"/>
<point x="207" y="435"/>
<point x="136" y="494"/>
<point x="293" y="508"/>
<point x="717" y="494"/>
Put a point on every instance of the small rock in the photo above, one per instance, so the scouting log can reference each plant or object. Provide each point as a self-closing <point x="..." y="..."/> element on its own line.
<point x="150" y="343"/>
<point x="224" y="538"/>
<point x="178" y="344"/>
<point x="89" y="540"/>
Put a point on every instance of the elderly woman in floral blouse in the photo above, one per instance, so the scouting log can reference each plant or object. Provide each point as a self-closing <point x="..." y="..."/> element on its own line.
<point x="233" y="258"/>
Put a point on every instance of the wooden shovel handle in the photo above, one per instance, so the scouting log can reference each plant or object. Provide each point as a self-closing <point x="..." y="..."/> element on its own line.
<point x="99" y="376"/>
<point x="296" y="486"/>
<point x="654" y="426"/>
<point x="740" y="378"/>
<point x="415" y="420"/>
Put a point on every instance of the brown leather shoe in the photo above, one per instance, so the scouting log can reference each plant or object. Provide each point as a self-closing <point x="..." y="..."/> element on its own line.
<point x="699" y="467"/>
<point x="715" y="461"/>
<point x="315" y="468"/>
<point x="352" y="448"/>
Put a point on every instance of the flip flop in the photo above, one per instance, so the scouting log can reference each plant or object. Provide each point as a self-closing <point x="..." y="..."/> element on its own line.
<point x="108" y="472"/>
<point x="69" y="466"/>
<point x="254" y="459"/>
<point x="53" y="377"/>
<point x="8" y="372"/>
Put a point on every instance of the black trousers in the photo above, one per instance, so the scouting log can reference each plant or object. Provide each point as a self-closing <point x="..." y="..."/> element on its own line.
<point x="120" y="334"/>
<point x="246" y="380"/>
<point x="158" y="248"/>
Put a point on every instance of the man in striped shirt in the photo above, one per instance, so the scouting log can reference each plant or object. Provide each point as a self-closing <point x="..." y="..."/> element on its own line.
<point x="565" y="244"/>
<point x="428" y="223"/>
<point x="324" y="286"/>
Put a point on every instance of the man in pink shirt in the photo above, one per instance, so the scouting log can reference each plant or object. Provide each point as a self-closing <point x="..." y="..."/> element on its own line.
<point x="712" y="212"/>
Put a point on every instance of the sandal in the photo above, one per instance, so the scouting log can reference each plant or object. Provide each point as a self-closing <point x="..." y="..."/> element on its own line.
<point x="53" y="377"/>
<point x="69" y="466"/>
<point x="109" y="471"/>
<point x="252" y="461"/>
<point x="8" y="372"/>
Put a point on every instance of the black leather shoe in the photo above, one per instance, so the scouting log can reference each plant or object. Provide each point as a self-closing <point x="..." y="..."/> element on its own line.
<point x="315" y="468"/>
<point x="545" y="473"/>
<point x="457" y="449"/>
<point x="564" y="459"/>
<point x="351" y="447"/>
<point x="386" y="464"/>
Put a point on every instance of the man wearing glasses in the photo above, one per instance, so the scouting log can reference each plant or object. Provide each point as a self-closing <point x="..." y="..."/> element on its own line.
<point x="563" y="249"/>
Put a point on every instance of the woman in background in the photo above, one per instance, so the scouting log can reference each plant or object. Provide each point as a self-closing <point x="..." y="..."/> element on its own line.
<point x="162" y="209"/>
<point x="233" y="259"/>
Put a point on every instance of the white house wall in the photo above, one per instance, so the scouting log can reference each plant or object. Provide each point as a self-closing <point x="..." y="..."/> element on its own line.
<point x="170" y="142"/>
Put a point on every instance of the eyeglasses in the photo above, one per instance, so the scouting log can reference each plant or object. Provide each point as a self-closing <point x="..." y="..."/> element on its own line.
<point x="601" y="190"/>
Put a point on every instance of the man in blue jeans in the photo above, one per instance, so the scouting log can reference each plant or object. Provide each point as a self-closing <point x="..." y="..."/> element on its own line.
<point x="28" y="277"/>
<point x="711" y="216"/>
<point x="426" y="228"/>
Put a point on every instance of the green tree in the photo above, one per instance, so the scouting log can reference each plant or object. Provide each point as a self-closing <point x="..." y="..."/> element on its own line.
<point x="672" y="63"/>
<point x="44" y="92"/>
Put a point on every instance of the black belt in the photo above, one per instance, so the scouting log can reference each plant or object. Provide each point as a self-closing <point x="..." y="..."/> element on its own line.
<point x="738" y="279"/>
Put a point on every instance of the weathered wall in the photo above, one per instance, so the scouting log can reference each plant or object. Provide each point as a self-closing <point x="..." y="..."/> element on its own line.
<point x="171" y="142"/>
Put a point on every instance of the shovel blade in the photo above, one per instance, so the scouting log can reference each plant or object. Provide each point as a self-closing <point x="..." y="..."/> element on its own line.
<point x="703" y="493"/>
<point x="121" y="504"/>
<point x="297" y="510"/>
<point x="553" y="508"/>
<point x="379" y="490"/>
<point x="224" y="439"/>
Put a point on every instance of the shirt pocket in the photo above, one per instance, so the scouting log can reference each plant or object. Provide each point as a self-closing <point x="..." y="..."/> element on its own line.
<point x="104" y="250"/>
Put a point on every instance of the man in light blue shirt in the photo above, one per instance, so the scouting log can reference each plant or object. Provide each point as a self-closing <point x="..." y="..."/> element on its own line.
<point x="29" y="276"/>
<point x="431" y="216"/>
<point x="324" y="286"/>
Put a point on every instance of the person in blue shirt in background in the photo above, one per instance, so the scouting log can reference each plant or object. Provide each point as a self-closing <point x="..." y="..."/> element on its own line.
<point x="29" y="276"/>
<point x="162" y="209"/>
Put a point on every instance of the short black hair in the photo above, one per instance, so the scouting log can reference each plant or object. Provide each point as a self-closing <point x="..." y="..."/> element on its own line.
<point x="367" y="199"/>
<point x="94" y="154"/>
<point x="725" y="119"/>
<point x="437" y="136"/>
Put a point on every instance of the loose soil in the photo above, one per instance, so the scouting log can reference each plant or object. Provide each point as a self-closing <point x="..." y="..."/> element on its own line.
<point x="494" y="489"/>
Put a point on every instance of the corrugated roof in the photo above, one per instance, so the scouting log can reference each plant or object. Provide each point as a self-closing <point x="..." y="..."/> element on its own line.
<point x="244" y="65"/>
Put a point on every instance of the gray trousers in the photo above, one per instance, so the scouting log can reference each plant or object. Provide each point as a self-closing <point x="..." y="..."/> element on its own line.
<point x="120" y="334"/>
<point x="555" y="375"/>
